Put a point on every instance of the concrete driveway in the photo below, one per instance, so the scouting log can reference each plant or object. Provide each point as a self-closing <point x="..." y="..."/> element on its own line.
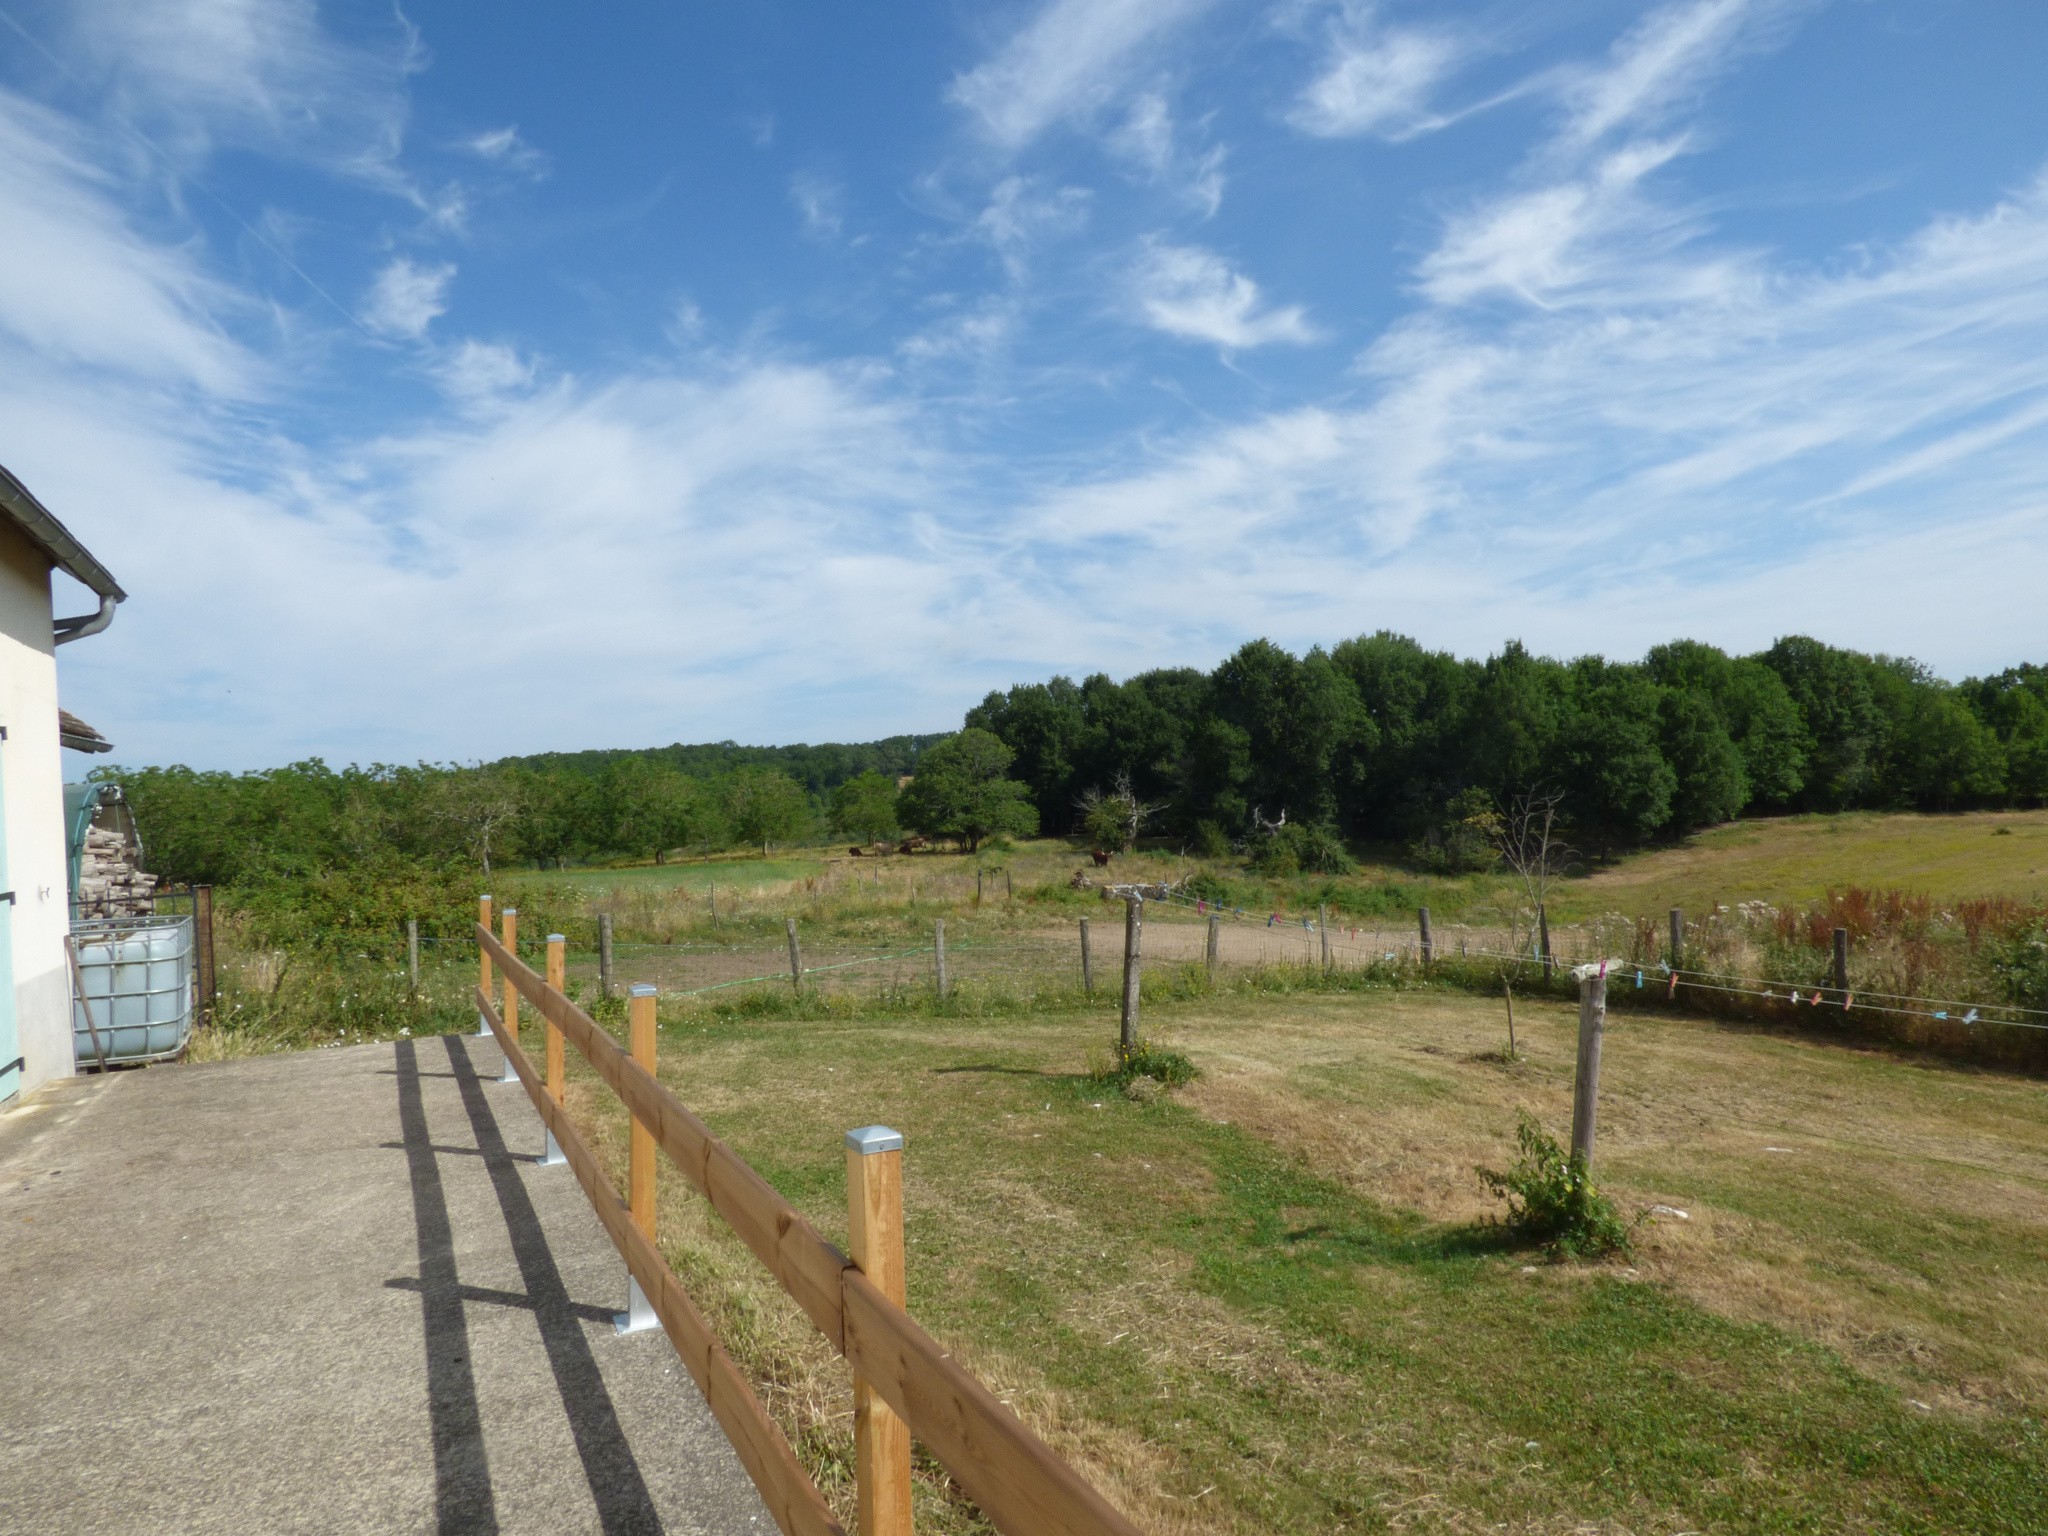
<point x="323" y="1292"/>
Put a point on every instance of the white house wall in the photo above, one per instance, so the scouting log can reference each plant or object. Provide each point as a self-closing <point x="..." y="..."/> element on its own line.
<point x="34" y="781"/>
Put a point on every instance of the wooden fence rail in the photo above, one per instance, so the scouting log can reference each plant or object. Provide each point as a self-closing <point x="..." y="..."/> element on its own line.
<point x="1020" y="1484"/>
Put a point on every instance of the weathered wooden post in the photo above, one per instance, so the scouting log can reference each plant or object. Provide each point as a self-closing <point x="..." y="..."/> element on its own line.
<point x="796" y="956"/>
<point x="1677" y="950"/>
<point x="714" y="903"/>
<point x="1009" y="890"/>
<point x="1134" y="927"/>
<point x="483" y="958"/>
<point x="604" y="955"/>
<point x="202" y="939"/>
<point x="1209" y="950"/>
<point x="1087" y="963"/>
<point x="508" y="995"/>
<point x="1323" y="932"/>
<point x="640" y="1019"/>
<point x="939" y="954"/>
<point x="1543" y="940"/>
<point x="1842" y="964"/>
<point x="1428" y="943"/>
<point x="874" y="1236"/>
<point x="412" y="954"/>
<point x="1586" y="1081"/>
<point x="977" y="887"/>
<point x="558" y="982"/>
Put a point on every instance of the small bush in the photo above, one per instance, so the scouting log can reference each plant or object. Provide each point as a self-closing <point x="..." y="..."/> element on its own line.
<point x="1210" y="841"/>
<point x="1315" y="850"/>
<point x="1170" y="1069"/>
<point x="1551" y="1198"/>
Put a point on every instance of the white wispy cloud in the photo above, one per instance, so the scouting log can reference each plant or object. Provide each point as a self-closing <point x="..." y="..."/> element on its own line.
<point x="1660" y="63"/>
<point x="506" y="148"/>
<point x="78" y="282"/>
<point x="820" y="203"/>
<point x="407" y="297"/>
<point x="483" y="373"/>
<point x="1376" y="79"/>
<point x="1187" y="291"/>
<point x="1149" y="140"/>
<point x="261" y="74"/>
<point x="1070" y="60"/>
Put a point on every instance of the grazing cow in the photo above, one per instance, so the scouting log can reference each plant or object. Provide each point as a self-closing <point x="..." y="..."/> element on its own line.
<point x="910" y="845"/>
<point x="857" y="852"/>
<point x="1101" y="858"/>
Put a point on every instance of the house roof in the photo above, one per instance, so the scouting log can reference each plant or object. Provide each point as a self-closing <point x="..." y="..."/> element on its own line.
<point x="53" y="538"/>
<point x="78" y="736"/>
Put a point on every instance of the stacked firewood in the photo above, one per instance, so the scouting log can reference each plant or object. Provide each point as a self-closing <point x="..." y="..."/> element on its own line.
<point x="110" y="883"/>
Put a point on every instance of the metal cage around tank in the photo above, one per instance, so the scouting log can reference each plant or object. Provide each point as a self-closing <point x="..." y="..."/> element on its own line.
<point x="136" y="975"/>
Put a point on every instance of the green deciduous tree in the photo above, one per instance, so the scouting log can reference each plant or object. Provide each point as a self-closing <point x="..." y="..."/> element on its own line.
<point x="865" y="807"/>
<point x="963" y="789"/>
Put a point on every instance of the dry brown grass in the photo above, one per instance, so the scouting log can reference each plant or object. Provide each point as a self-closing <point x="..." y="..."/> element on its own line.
<point x="1940" y="1166"/>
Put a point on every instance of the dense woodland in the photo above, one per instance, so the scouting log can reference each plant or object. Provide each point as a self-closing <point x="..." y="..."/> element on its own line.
<point x="1376" y="739"/>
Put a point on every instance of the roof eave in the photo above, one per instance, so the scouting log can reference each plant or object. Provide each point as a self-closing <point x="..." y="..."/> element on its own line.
<point x="43" y="530"/>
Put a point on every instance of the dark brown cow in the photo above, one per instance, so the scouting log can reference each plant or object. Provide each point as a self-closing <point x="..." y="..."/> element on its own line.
<point x="1099" y="856"/>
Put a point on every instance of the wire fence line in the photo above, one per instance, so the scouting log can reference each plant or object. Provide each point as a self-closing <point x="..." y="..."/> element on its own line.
<point x="1177" y="929"/>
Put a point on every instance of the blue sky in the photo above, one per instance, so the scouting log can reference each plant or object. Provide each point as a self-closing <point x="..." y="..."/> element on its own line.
<point x="460" y="380"/>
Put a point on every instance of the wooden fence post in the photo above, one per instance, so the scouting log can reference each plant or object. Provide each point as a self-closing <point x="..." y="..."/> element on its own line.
<point x="1134" y="927"/>
<point x="1209" y="951"/>
<point x="1543" y="940"/>
<point x="1087" y="963"/>
<point x="1677" y="951"/>
<point x="1586" y="1081"/>
<point x="1323" y="932"/>
<point x="874" y="1230"/>
<point x="639" y="1314"/>
<point x="1009" y="890"/>
<point x="202" y="939"/>
<point x="412" y="954"/>
<point x="483" y="962"/>
<point x="939" y="954"/>
<point x="977" y="887"/>
<point x="1428" y="943"/>
<point x="558" y="981"/>
<point x="1842" y="963"/>
<point x="508" y="1005"/>
<point x="796" y="956"/>
<point x="604" y="955"/>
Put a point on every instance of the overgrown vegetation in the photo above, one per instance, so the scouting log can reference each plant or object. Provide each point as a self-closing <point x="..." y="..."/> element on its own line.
<point x="1551" y="1198"/>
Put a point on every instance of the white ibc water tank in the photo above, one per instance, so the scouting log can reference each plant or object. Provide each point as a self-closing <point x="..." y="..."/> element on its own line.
<point x="137" y="973"/>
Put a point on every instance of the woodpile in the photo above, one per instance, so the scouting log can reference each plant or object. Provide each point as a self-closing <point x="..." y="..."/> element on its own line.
<point x="110" y="881"/>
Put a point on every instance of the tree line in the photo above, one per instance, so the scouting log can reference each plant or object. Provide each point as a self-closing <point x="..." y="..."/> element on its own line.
<point x="1379" y="738"/>
<point x="1287" y="758"/>
<point x="309" y="818"/>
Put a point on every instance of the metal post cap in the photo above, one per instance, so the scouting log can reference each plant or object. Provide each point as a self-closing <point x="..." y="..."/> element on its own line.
<point x="511" y="912"/>
<point x="870" y="1139"/>
<point x="644" y="989"/>
<point x="556" y="938"/>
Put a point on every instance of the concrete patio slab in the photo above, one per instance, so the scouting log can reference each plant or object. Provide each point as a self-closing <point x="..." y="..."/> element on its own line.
<point x="327" y="1291"/>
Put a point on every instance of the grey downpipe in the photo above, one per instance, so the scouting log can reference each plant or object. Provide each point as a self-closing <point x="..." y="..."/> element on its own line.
<point x="86" y="623"/>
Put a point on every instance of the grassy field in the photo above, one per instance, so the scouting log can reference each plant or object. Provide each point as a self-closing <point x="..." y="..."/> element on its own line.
<point x="695" y="875"/>
<point x="1273" y="1302"/>
<point x="1978" y="853"/>
<point x="1784" y="860"/>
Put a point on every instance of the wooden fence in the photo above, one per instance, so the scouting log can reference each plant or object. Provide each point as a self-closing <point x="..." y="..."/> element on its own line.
<point x="1020" y="1484"/>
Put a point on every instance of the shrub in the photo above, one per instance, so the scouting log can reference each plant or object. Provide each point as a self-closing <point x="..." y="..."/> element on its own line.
<point x="1170" y="1069"/>
<point x="1210" y="841"/>
<point x="1318" y="850"/>
<point x="1551" y="1198"/>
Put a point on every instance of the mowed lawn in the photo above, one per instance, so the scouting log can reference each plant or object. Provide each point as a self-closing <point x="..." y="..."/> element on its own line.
<point x="1796" y="858"/>
<point x="1271" y="1302"/>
